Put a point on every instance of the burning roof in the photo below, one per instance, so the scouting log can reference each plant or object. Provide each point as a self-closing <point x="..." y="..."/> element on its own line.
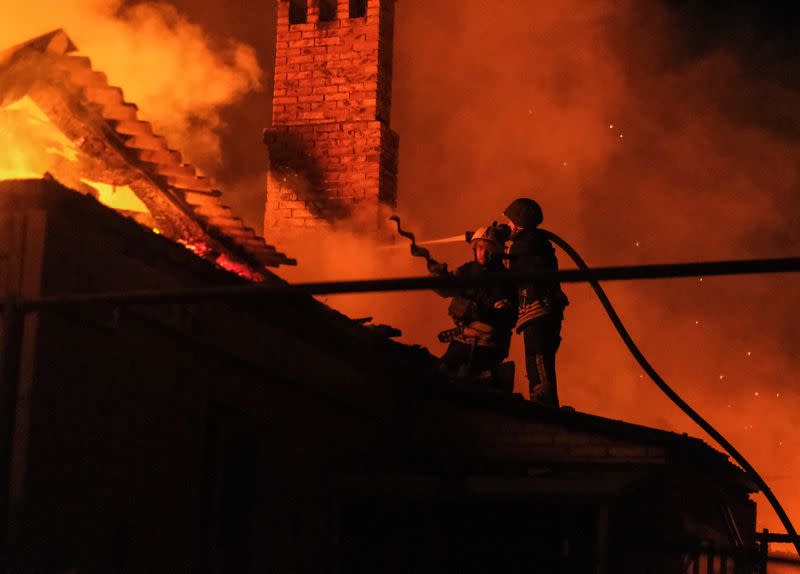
<point x="103" y="149"/>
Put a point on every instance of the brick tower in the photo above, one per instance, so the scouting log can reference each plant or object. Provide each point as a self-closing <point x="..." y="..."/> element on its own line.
<point x="332" y="155"/>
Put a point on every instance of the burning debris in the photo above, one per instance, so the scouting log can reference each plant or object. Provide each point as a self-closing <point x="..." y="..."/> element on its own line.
<point x="58" y="116"/>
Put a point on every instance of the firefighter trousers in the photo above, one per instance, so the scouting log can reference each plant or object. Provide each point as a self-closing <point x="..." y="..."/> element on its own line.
<point x="542" y="337"/>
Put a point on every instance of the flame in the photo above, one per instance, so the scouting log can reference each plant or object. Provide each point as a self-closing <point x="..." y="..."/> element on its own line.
<point x="119" y="197"/>
<point x="202" y="250"/>
<point x="240" y="269"/>
<point x="198" y="248"/>
<point x="30" y="144"/>
<point x="167" y="64"/>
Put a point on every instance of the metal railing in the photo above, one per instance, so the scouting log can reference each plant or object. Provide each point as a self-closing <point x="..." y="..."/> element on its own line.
<point x="788" y="561"/>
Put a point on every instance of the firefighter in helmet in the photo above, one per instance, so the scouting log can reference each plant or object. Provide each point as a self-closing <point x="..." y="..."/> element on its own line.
<point x="541" y="303"/>
<point x="484" y="316"/>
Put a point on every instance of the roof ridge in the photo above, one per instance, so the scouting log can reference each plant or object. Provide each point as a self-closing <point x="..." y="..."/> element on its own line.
<point x="54" y="42"/>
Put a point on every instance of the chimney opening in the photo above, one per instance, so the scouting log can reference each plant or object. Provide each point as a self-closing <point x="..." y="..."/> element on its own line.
<point x="327" y="10"/>
<point x="358" y="8"/>
<point x="298" y="11"/>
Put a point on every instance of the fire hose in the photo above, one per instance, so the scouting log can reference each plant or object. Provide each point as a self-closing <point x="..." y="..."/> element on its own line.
<point x="416" y="250"/>
<point x="673" y="396"/>
<point x="653" y="374"/>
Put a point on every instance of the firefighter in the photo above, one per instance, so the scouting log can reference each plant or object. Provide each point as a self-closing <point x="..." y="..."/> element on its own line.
<point x="484" y="317"/>
<point x="541" y="304"/>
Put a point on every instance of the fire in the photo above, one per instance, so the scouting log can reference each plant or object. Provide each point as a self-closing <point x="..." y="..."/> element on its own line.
<point x="119" y="197"/>
<point x="166" y="63"/>
<point x="60" y="117"/>
<point x="196" y="247"/>
<point x="202" y="250"/>
<point x="235" y="267"/>
<point x="33" y="146"/>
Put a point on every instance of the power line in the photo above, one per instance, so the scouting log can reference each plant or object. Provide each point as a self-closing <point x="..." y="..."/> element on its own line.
<point x="508" y="279"/>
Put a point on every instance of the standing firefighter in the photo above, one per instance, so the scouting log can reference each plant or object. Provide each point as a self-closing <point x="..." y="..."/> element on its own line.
<point x="541" y="303"/>
<point x="484" y="316"/>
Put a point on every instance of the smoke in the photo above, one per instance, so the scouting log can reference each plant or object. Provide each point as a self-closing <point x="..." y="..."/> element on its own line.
<point x="493" y="109"/>
<point x="346" y="252"/>
<point x="642" y="146"/>
<point x="639" y="151"/>
<point x="168" y="66"/>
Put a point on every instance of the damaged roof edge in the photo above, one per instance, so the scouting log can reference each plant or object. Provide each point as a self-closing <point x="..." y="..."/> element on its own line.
<point x="55" y="42"/>
<point x="97" y="112"/>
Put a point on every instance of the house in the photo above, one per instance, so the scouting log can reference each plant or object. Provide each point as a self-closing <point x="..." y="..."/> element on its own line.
<point x="274" y="434"/>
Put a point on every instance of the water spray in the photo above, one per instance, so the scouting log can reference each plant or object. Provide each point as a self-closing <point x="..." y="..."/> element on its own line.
<point x="442" y="240"/>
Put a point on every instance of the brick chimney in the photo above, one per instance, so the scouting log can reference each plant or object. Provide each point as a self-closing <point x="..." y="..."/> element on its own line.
<point x="332" y="154"/>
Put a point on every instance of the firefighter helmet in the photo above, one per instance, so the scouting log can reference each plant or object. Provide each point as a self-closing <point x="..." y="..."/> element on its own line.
<point x="525" y="213"/>
<point x="495" y="235"/>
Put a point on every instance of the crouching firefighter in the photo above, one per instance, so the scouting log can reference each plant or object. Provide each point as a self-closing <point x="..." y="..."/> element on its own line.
<point x="541" y="304"/>
<point x="484" y="317"/>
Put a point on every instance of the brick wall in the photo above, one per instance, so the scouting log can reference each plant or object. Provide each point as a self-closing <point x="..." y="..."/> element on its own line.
<point x="332" y="155"/>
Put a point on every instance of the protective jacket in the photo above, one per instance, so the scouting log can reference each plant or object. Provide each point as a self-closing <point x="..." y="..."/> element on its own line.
<point x="483" y="316"/>
<point x="530" y="251"/>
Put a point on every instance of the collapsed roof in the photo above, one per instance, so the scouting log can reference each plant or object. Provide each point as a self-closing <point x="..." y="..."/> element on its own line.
<point x="115" y="147"/>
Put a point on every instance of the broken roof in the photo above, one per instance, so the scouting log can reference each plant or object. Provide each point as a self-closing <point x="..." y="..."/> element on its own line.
<point x="118" y="148"/>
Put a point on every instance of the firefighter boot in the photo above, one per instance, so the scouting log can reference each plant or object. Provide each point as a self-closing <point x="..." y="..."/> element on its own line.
<point x="542" y="379"/>
<point x="503" y="377"/>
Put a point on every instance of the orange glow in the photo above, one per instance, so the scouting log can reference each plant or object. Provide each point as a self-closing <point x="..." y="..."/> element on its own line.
<point x="202" y="250"/>
<point x="165" y="63"/>
<point x="198" y="248"/>
<point x="688" y="180"/>
<point x="33" y="146"/>
<point x="119" y="197"/>
<point x="235" y="267"/>
<point x="30" y="145"/>
<point x="670" y="151"/>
